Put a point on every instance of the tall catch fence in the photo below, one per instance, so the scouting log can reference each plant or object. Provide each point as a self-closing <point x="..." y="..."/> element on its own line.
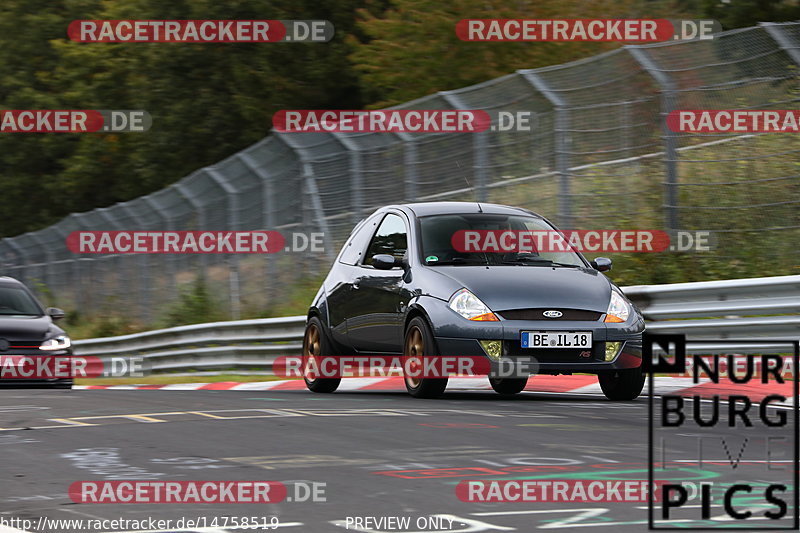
<point x="598" y="156"/>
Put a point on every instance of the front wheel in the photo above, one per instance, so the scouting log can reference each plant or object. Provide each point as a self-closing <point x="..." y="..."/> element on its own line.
<point x="622" y="385"/>
<point x="417" y="346"/>
<point x="508" y="386"/>
<point x="315" y="344"/>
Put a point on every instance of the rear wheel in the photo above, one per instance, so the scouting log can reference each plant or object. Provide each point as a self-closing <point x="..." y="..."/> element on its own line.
<point x="417" y="347"/>
<point x="315" y="344"/>
<point x="624" y="384"/>
<point x="508" y="386"/>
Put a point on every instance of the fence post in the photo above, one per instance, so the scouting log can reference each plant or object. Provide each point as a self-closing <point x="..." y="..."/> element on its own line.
<point x="410" y="166"/>
<point x="774" y="30"/>
<point x="49" y="259"/>
<point x="171" y="267"/>
<point x="127" y="259"/>
<point x="22" y="260"/>
<point x="267" y="202"/>
<point x="480" y="147"/>
<point x="311" y="190"/>
<point x="233" y="225"/>
<point x="63" y="237"/>
<point x="316" y="204"/>
<point x="77" y="276"/>
<point x="356" y="176"/>
<point x="145" y="302"/>
<point x="668" y="104"/>
<point x="561" y="143"/>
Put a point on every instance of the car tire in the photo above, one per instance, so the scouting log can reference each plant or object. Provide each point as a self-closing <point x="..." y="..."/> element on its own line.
<point x="315" y="343"/>
<point x="418" y="343"/>
<point x="622" y="385"/>
<point x="62" y="386"/>
<point x="508" y="386"/>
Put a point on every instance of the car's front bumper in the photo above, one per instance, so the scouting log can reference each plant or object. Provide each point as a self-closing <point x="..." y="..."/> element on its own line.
<point x="35" y="383"/>
<point x="555" y="360"/>
<point x="60" y="381"/>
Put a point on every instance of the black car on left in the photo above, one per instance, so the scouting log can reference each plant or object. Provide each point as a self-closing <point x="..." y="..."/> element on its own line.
<point x="28" y="329"/>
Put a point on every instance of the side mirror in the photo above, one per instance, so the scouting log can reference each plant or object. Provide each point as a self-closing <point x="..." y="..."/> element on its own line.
<point x="55" y="313"/>
<point x="601" y="264"/>
<point x="383" y="261"/>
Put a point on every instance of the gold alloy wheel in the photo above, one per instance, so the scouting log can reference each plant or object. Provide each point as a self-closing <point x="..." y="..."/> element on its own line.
<point x="413" y="354"/>
<point x="311" y="350"/>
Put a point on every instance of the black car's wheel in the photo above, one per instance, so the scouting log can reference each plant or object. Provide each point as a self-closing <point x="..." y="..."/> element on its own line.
<point x="417" y="346"/>
<point x="622" y="384"/>
<point x="508" y="386"/>
<point x="67" y="385"/>
<point x="315" y="344"/>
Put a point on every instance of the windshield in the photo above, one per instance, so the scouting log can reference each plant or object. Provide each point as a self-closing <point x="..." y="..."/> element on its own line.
<point x="443" y="238"/>
<point x="17" y="301"/>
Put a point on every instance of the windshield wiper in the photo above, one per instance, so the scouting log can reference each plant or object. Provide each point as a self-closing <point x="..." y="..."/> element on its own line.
<point x="455" y="261"/>
<point x="536" y="261"/>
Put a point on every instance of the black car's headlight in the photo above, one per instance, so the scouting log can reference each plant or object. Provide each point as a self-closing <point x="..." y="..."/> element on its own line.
<point x="471" y="307"/>
<point x="618" y="308"/>
<point x="62" y="342"/>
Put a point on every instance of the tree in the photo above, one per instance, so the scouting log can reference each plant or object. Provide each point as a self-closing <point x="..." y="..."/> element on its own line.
<point x="207" y="101"/>
<point x="413" y="50"/>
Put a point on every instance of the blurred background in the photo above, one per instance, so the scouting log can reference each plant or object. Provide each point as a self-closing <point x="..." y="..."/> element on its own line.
<point x="597" y="157"/>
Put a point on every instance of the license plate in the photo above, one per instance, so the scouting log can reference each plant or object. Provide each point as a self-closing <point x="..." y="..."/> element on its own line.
<point x="556" y="339"/>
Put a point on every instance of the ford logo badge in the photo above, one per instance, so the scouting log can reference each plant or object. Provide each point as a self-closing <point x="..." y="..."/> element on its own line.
<point x="553" y="314"/>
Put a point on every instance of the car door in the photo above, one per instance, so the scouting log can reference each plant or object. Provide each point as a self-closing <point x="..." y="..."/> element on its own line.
<point x="339" y="284"/>
<point x="375" y="321"/>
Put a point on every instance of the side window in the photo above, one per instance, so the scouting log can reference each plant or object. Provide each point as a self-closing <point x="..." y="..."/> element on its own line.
<point x="354" y="247"/>
<point x="391" y="238"/>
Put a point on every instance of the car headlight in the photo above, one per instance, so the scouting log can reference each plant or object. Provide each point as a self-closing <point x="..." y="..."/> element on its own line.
<point x="470" y="307"/>
<point x="61" y="342"/>
<point x="618" y="308"/>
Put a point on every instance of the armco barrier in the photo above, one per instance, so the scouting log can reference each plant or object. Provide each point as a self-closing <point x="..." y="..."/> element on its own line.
<point x="759" y="308"/>
<point x="216" y="345"/>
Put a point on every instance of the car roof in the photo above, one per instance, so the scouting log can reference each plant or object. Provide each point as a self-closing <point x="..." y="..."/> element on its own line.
<point x="6" y="280"/>
<point x="422" y="209"/>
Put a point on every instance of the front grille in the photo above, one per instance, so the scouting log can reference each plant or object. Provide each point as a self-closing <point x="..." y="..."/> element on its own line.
<point x="536" y="314"/>
<point x="19" y="347"/>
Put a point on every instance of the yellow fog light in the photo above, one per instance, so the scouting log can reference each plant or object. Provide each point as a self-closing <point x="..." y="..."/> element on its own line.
<point x="494" y="349"/>
<point x="612" y="349"/>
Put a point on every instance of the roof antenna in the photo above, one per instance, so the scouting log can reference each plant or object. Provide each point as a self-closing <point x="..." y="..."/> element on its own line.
<point x="480" y="210"/>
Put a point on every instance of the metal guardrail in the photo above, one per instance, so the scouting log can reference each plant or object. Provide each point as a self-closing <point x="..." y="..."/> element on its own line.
<point x="756" y="308"/>
<point x="767" y="308"/>
<point x="243" y="344"/>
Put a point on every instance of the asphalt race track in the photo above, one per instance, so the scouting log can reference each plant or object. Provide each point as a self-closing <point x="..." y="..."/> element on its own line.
<point x="378" y="454"/>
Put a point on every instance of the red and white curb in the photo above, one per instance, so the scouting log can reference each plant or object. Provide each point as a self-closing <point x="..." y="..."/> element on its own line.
<point x="584" y="385"/>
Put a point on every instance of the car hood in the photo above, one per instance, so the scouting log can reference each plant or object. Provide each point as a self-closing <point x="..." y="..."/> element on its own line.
<point x="27" y="328"/>
<point x="522" y="287"/>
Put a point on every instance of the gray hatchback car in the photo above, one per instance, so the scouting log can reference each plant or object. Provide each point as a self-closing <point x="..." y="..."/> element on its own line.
<point x="400" y="286"/>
